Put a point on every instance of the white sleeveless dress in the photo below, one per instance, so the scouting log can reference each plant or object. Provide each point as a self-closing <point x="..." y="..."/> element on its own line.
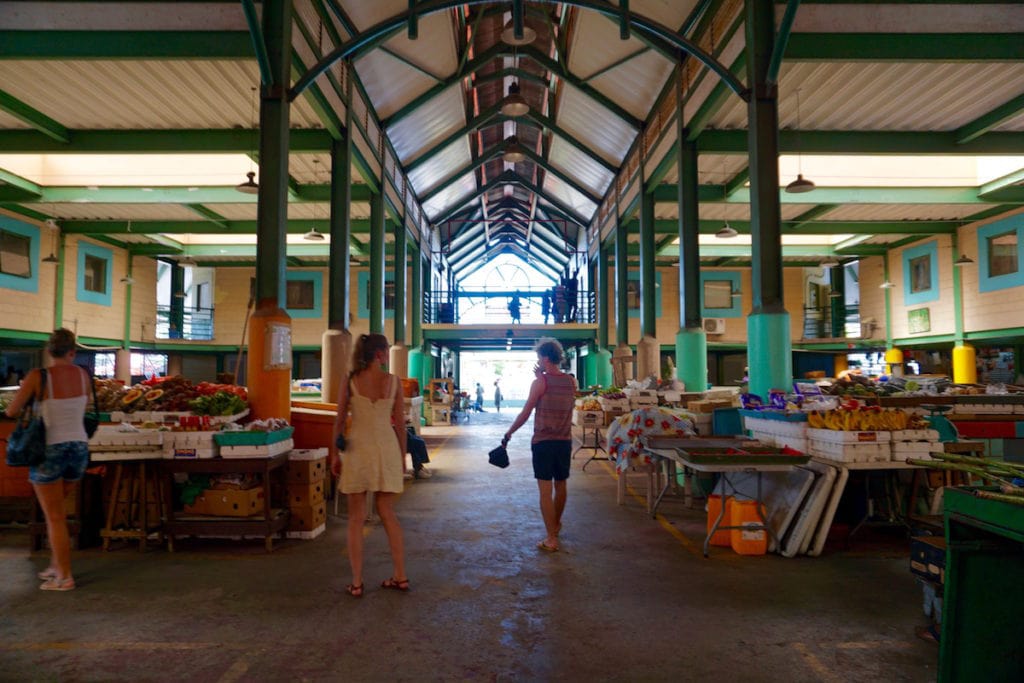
<point x="371" y="460"/>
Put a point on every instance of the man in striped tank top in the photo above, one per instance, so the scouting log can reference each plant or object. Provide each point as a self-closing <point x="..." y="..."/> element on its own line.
<point x="553" y="394"/>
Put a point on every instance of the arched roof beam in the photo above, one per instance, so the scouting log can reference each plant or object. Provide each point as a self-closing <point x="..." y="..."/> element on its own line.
<point x="375" y="35"/>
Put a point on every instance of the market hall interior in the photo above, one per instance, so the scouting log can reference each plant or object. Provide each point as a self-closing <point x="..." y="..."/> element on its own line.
<point x="627" y="598"/>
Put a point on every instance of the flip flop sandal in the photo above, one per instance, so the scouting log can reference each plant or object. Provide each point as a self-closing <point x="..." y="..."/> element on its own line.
<point x="547" y="548"/>
<point x="395" y="584"/>
<point x="354" y="590"/>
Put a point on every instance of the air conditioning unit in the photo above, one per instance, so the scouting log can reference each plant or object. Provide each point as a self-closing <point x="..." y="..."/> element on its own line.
<point x="714" y="325"/>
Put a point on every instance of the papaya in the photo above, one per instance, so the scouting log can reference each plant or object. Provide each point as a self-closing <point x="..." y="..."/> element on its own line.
<point x="132" y="396"/>
<point x="154" y="394"/>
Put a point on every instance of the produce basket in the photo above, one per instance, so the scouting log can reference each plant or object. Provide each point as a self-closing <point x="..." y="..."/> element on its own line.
<point x="252" y="438"/>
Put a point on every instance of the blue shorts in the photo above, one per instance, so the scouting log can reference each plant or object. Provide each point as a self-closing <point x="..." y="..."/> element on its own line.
<point x="551" y="460"/>
<point x="64" y="461"/>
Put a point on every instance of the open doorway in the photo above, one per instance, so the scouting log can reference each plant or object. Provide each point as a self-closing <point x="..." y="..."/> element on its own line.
<point x="512" y="370"/>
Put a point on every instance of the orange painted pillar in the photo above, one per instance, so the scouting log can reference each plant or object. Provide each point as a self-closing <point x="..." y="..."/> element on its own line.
<point x="269" y="365"/>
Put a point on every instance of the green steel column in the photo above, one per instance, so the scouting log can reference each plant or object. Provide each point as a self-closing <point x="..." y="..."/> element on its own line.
<point x="770" y="352"/>
<point x="888" y="301"/>
<point x="341" y="233"/>
<point x="691" y="341"/>
<point x="127" y="341"/>
<point x="58" y="294"/>
<point x="272" y="209"/>
<point x="176" y="316"/>
<point x="958" y="294"/>
<point x="648" y="310"/>
<point x="401" y="255"/>
<point x="602" y="290"/>
<point x="837" y="304"/>
<point x="416" y="307"/>
<point x="377" y="262"/>
<point x="621" y="281"/>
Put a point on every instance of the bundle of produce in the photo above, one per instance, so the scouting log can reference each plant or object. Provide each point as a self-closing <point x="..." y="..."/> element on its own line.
<point x="612" y="393"/>
<point x="170" y="394"/>
<point x="588" y="404"/>
<point x="218" y="403"/>
<point x="1009" y="476"/>
<point x="109" y="393"/>
<point x="270" y="424"/>
<point x="864" y="419"/>
<point x="210" y="388"/>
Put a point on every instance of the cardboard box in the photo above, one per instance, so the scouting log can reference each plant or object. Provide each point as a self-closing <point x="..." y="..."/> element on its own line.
<point x="305" y="471"/>
<point x="928" y="557"/>
<point x="612" y="415"/>
<point x="305" y="495"/>
<point x="228" y="503"/>
<point x="307" y="518"/>
<point x="588" y="418"/>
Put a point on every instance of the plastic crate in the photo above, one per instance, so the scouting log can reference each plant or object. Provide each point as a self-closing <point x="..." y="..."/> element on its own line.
<point x="252" y="438"/>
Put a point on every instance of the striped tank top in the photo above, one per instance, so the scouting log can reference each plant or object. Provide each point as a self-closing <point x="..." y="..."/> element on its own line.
<point x="552" y="419"/>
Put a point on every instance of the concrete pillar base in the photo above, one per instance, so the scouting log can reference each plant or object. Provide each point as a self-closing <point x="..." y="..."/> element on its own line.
<point x="648" y="358"/>
<point x="268" y="368"/>
<point x="770" y="353"/>
<point x="622" y="365"/>
<point x="123" y="366"/>
<point x="692" y="358"/>
<point x="334" y="362"/>
<point x="398" y="363"/>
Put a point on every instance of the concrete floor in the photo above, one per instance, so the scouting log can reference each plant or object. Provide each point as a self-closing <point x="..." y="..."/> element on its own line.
<point x="629" y="597"/>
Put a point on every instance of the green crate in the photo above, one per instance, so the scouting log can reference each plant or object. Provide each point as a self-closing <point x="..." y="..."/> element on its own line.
<point x="252" y="438"/>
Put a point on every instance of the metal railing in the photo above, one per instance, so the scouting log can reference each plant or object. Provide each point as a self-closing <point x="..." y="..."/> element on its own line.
<point x="196" y="324"/>
<point x="486" y="306"/>
<point x="818" y="323"/>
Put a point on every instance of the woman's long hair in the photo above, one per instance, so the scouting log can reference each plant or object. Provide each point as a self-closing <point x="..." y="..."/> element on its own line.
<point x="366" y="348"/>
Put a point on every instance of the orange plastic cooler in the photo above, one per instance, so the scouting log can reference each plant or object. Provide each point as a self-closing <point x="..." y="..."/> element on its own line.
<point x="745" y="540"/>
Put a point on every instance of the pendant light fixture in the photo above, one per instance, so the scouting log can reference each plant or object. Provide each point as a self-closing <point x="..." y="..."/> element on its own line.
<point x="188" y="262"/>
<point x="314" y="235"/>
<point x="801" y="184"/>
<point x="52" y="225"/>
<point x="515" y="104"/>
<point x="726" y="231"/>
<point x="513" y="151"/>
<point x="508" y="35"/>
<point x="830" y="263"/>
<point x="250" y="186"/>
<point x="964" y="260"/>
<point x="886" y="285"/>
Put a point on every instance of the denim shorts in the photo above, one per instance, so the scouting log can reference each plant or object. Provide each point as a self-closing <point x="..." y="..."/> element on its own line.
<point x="64" y="461"/>
<point x="551" y="460"/>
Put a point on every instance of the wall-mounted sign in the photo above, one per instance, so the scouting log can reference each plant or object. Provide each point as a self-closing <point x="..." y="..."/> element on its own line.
<point x="278" y="349"/>
<point x="919" y="320"/>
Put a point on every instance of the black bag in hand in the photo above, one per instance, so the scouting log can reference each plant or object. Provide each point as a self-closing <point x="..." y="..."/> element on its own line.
<point x="498" y="457"/>
<point x="339" y="442"/>
<point x="26" y="446"/>
<point x="92" y="422"/>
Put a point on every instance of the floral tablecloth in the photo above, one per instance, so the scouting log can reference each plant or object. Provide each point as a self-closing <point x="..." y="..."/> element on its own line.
<point x="625" y="432"/>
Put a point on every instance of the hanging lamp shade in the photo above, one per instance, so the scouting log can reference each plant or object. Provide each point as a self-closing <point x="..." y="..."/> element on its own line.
<point x="800" y="185"/>
<point x="508" y="35"/>
<point x="964" y="260"/>
<point x="886" y="285"/>
<point x="313" y="236"/>
<point x="128" y="280"/>
<point x="515" y="104"/>
<point x="249" y="186"/>
<point x="830" y="263"/>
<point x="52" y="258"/>
<point x="188" y="262"/>
<point x="726" y="231"/>
<point x="513" y="152"/>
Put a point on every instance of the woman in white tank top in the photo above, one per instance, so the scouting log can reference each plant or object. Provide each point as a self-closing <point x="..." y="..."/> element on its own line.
<point x="64" y="396"/>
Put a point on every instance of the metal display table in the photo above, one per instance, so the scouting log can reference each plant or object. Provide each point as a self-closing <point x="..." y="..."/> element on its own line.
<point x="594" y="445"/>
<point x="274" y="520"/>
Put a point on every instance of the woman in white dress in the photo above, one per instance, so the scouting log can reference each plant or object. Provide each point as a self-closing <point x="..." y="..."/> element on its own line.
<point x="371" y="416"/>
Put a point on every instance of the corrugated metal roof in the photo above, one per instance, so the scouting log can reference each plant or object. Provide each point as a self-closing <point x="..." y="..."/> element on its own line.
<point x="888" y="96"/>
<point x="906" y="212"/>
<point x="145" y="94"/>
<point x="99" y="212"/>
<point x="428" y="125"/>
<point x="595" y="126"/>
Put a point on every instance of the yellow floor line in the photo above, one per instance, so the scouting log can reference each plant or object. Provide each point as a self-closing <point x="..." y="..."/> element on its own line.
<point x="872" y="644"/>
<point x="690" y="546"/>
<point x="117" y="645"/>
<point x="812" y="661"/>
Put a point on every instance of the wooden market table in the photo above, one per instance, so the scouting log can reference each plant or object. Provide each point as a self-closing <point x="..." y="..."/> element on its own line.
<point x="136" y="487"/>
<point x="274" y="520"/>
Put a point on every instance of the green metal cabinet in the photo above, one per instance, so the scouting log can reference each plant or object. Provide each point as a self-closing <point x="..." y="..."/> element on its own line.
<point x="983" y="607"/>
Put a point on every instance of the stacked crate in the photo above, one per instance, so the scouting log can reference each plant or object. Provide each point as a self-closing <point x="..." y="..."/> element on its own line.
<point x="306" y="476"/>
<point x="850" y="446"/>
<point x="914" y="443"/>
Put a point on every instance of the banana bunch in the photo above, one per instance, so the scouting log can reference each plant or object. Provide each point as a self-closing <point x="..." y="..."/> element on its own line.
<point x="859" y="420"/>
